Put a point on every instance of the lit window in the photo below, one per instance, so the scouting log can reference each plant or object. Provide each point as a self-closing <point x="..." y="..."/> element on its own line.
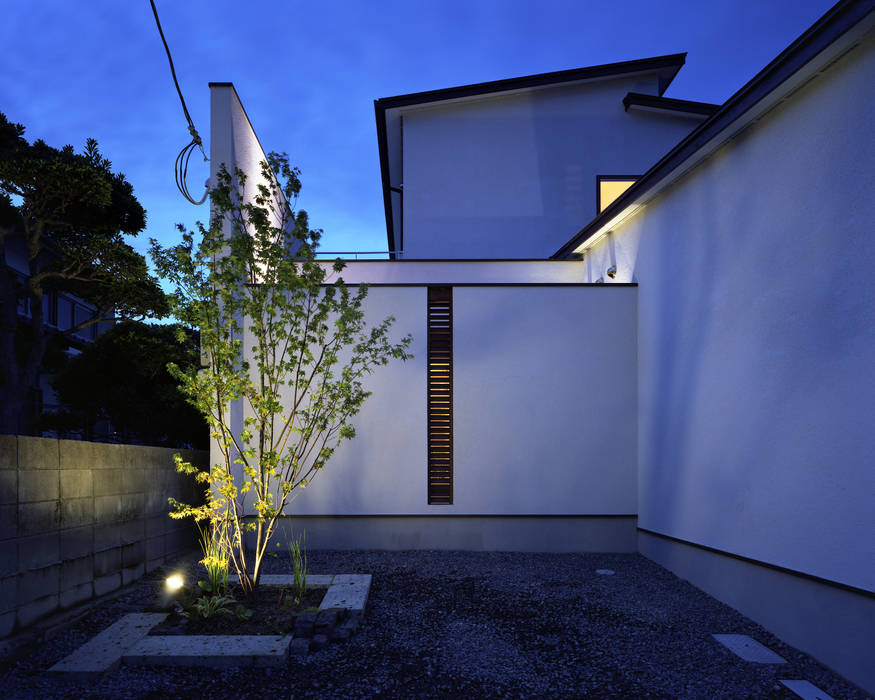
<point x="610" y="187"/>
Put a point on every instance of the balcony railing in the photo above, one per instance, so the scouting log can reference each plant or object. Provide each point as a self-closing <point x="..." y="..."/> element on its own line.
<point x="355" y="255"/>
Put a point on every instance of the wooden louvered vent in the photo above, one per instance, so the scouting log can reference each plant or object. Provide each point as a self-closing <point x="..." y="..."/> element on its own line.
<point x="440" y="395"/>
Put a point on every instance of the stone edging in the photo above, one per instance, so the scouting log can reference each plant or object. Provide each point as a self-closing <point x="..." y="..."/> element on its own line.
<point x="128" y="641"/>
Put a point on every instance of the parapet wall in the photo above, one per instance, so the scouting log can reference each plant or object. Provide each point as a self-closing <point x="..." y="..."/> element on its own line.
<point x="80" y="519"/>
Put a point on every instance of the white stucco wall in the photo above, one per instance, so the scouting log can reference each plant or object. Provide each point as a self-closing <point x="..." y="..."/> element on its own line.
<point x="233" y="142"/>
<point x="756" y="336"/>
<point x="514" y="176"/>
<point x="544" y="408"/>
<point x="545" y="400"/>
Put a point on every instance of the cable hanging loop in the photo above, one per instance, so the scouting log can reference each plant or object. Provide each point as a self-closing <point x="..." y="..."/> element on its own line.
<point x="181" y="165"/>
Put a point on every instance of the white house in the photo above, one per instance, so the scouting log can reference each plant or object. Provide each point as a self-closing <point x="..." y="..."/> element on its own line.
<point x="683" y="368"/>
<point x="509" y="169"/>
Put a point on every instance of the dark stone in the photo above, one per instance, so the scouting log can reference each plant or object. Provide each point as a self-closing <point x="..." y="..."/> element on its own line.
<point x="305" y="624"/>
<point x="340" y="612"/>
<point x="299" y="647"/>
<point x="325" y="621"/>
<point x="304" y="628"/>
<point x="349" y="627"/>
<point x="340" y="634"/>
<point x="319" y="642"/>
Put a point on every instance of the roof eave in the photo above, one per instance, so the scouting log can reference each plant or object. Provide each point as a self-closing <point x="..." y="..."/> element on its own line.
<point x="669" y="104"/>
<point x="382" y="142"/>
<point x="827" y="30"/>
<point x="667" y="65"/>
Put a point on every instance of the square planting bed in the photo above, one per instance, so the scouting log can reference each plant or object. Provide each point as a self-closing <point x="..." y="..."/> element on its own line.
<point x="128" y="640"/>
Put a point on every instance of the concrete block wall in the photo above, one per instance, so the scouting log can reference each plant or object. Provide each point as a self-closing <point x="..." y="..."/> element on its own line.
<point x="80" y="519"/>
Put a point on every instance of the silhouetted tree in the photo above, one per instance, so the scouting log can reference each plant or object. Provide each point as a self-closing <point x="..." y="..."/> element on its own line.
<point x="70" y="214"/>
<point x="122" y="377"/>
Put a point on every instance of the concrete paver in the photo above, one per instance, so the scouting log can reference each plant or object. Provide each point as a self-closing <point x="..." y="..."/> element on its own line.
<point x="313" y="580"/>
<point x="214" y="651"/>
<point x="105" y="650"/>
<point x="347" y="591"/>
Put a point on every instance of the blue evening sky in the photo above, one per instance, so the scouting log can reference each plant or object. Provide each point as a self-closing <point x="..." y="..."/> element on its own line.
<point x="308" y="72"/>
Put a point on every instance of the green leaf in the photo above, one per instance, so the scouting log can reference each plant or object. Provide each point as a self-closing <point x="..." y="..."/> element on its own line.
<point x="287" y="341"/>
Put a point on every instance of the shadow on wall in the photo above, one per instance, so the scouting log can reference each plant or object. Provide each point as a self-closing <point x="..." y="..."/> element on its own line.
<point x="676" y="317"/>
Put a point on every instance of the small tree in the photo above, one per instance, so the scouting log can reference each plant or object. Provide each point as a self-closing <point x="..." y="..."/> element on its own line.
<point x="275" y="336"/>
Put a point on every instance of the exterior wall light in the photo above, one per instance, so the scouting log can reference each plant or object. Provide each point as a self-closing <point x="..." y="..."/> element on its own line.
<point x="612" y="271"/>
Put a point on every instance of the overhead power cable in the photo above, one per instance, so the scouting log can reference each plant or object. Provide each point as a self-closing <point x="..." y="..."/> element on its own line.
<point x="181" y="165"/>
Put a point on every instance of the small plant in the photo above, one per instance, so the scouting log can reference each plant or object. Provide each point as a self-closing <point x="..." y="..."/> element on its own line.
<point x="209" y="605"/>
<point x="298" y="557"/>
<point x="216" y="550"/>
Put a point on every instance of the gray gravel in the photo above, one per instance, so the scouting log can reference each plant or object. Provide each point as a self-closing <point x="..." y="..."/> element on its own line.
<point x="475" y="625"/>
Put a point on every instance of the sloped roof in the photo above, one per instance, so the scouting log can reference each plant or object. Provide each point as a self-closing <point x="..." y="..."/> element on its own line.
<point x="666" y="67"/>
<point x="771" y="85"/>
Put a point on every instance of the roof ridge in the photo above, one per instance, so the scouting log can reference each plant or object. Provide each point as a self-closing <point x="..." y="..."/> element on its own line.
<point x="604" y="70"/>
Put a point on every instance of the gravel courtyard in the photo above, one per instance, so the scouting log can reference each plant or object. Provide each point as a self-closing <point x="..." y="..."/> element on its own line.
<point x="474" y="625"/>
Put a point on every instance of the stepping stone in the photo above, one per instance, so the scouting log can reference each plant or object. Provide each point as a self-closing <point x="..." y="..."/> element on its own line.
<point x="806" y="690"/>
<point x="213" y="651"/>
<point x="104" y="651"/>
<point x="748" y="648"/>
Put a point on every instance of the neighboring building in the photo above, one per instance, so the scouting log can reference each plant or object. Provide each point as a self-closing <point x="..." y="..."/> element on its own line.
<point x="698" y="387"/>
<point x="61" y="311"/>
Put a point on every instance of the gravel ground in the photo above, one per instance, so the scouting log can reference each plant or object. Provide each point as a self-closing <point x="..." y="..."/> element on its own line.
<point x="474" y="625"/>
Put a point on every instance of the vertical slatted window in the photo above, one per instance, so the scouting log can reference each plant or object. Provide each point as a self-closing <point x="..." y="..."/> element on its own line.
<point x="440" y="395"/>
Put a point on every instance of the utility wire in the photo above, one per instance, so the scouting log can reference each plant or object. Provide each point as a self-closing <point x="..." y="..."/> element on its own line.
<point x="181" y="165"/>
